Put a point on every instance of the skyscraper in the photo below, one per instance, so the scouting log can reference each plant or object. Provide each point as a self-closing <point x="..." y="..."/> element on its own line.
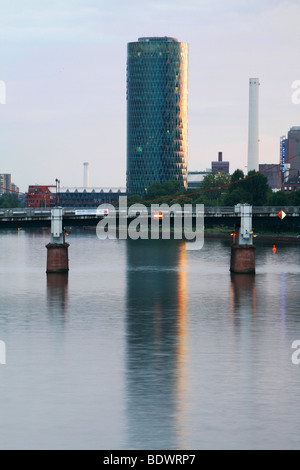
<point x="157" y="112"/>
<point x="5" y="183"/>
<point x="292" y="148"/>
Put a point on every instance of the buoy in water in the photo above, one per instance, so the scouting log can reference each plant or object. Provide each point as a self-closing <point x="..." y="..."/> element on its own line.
<point x="274" y="249"/>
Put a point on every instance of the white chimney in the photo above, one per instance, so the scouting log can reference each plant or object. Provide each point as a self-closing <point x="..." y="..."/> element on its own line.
<point x="86" y="175"/>
<point x="253" y="137"/>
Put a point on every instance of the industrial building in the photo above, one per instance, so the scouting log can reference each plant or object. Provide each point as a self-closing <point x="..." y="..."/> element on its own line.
<point x="272" y="172"/>
<point x="89" y="197"/>
<point x="157" y="112"/>
<point x="84" y="198"/>
<point x="220" y="166"/>
<point x="196" y="177"/>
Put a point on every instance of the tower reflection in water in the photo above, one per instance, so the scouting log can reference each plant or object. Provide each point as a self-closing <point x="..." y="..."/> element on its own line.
<point x="156" y="341"/>
<point x="57" y="296"/>
<point x="242" y="297"/>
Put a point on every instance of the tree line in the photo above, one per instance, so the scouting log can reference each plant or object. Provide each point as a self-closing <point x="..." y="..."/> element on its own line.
<point x="219" y="189"/>
<point x="10" y="201"/>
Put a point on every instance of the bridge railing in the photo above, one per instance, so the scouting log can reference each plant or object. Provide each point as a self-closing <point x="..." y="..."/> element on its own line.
<point x="275" y="209"/>
<point x="25" y="212"/>
<point x="217" y="211"/>
<point x="255" y="210"/>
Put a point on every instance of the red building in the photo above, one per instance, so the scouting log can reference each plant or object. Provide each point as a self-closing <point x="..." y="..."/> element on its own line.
<point x="290" y="187"/>
<point x="41" y="196"/>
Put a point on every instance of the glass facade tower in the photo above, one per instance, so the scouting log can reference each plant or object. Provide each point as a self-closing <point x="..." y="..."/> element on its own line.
<point x="157" y="112"/>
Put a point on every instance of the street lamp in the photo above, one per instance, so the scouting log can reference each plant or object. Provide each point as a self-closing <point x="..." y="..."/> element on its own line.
<point x="57" y="183"/>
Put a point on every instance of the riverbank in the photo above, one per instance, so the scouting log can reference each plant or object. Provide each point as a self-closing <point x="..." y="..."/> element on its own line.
<point x="224" y="234"/>
<point x="268" y="238"/>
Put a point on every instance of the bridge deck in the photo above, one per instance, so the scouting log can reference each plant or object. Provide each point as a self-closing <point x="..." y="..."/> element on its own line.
<point x="41" y="217"/>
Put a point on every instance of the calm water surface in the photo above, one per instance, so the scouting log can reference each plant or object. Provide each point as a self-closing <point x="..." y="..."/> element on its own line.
<point x="147" y="346"/>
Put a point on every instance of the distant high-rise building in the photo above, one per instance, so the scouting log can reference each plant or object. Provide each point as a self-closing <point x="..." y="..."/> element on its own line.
<point x="157" y="112"/>
<point x="253" y="136"/>
<point x="5" y="183"/>
<point x="272" y="172"/>
<point x="15" y="189"/>
<point x="289" y="147"/>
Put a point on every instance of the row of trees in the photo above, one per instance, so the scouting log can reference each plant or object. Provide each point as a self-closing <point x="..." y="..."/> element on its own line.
<point x="215" y="190"/>
<point x="10" y="200"/>
<point x="221" y="190"/>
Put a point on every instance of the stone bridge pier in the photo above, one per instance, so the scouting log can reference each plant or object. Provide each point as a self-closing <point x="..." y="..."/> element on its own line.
<point x="57" y="249"/>
<point x="242" y="249"/>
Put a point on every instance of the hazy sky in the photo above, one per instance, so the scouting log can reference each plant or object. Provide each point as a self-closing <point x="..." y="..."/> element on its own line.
<point x="64" y="65"/>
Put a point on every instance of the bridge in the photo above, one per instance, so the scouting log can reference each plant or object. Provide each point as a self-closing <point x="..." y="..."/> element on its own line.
<point x="239" y="216"/>
<point x="36" y="218"/>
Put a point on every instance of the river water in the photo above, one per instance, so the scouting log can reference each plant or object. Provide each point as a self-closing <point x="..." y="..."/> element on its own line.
<point x="145" y="345"/>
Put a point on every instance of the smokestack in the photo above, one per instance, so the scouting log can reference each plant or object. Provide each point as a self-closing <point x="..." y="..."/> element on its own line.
<point x="253" y="137"/>
<point x="86" y="175"/>
<point x="220" y="156"/>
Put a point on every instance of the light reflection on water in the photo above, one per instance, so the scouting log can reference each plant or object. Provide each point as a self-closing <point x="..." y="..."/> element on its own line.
<point x="147" y="345"/>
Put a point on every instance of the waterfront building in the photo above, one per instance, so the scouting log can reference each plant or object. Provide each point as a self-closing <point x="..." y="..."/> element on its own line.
<point x="157" y="112"/>
<point x="82" y="198"/>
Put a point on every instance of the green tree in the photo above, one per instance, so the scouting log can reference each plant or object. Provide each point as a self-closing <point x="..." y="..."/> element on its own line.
<point x="155" y="190"/>
<point x="173" y="187"/>
<point x="256" y="185"/>
<point x="168" y="188"/>
<point x="296" y="198"/>
<point x="201" y="199"/>
<point x="253" y="189"/>
<point x="135" y="198"/>
<point x="10" y="201"/>
<point x="237" y="176"/>
<point x="182" y="200"/>
<point x="279" y="199"/>
<point x="236" y="196"/>
<point x="214" y="186"/>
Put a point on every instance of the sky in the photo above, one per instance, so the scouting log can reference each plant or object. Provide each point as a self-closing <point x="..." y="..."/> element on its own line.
<point x="64" y="67"/>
